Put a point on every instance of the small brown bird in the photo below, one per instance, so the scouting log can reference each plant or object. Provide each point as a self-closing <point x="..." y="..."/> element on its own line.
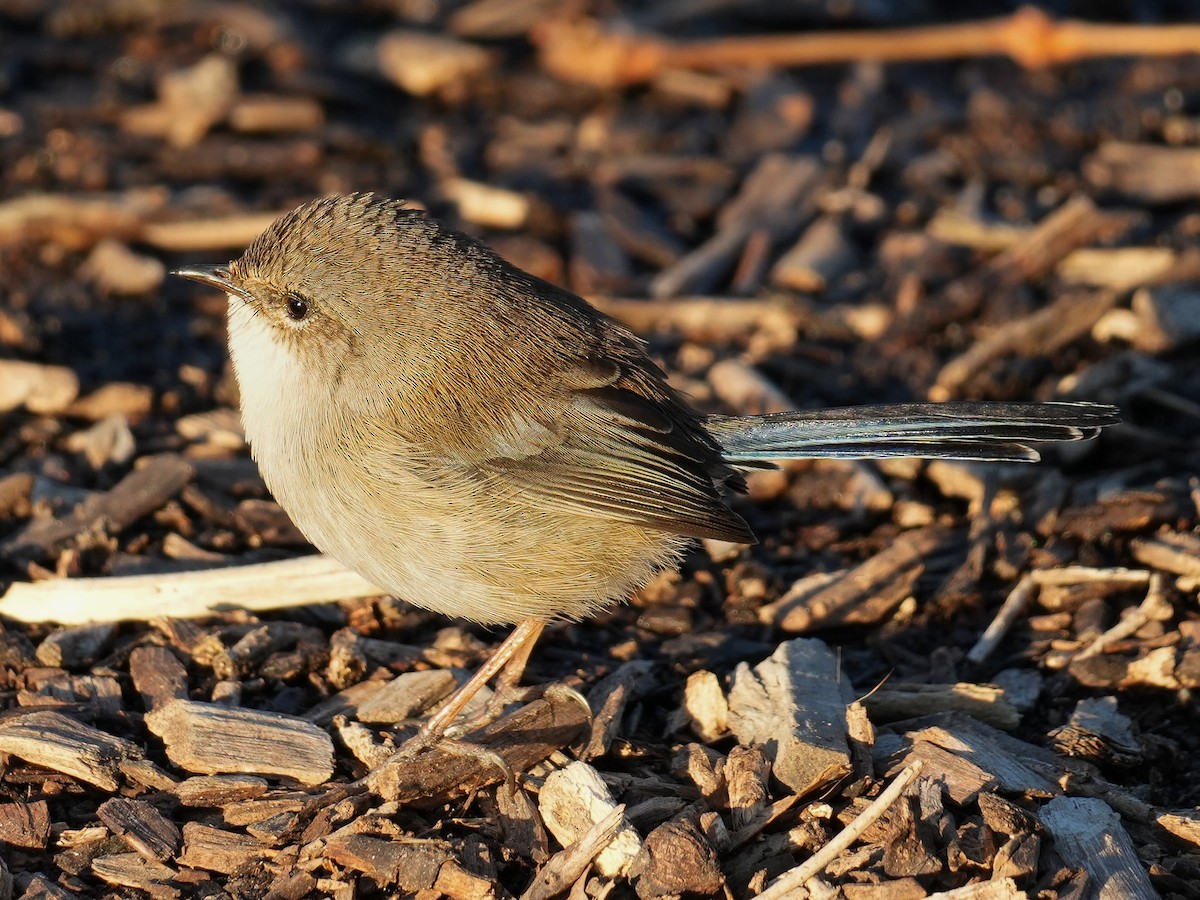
<point x="484" y="444"/>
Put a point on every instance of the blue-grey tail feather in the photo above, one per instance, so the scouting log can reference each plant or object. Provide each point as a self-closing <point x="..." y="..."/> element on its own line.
<point x="964" y="430"/>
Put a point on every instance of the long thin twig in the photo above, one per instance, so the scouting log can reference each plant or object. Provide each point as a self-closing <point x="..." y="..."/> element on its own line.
<point x="581" y="51"/>
<point x="793" y="879"/>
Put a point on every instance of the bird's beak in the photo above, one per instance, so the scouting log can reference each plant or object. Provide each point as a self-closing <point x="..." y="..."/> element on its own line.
<point x="214" y="276"/>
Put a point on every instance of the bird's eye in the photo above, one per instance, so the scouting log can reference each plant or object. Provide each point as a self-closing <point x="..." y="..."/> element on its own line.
<point x="297" y="307"/>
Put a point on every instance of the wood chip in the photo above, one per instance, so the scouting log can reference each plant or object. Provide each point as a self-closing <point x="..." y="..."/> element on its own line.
<point x="1115" y="267"/>
<point x="1041" y="333"/>
<point x="210" y="739"/>
<point x="410" y="865"/>
<point x="863" y="595"/>
<point x="41" y="389"/>
<point x="139" y="493"/>
<point x="406" y="695"/>
<point x="973" y="757"/>
<point x="215" y="850"/>
<point x="793" y="705"/>
<point x="522" y="739"/>
<point x="52" y="740"/>
<point x="25" y="824"/>
<point x="1089" y="835"/>
<point x="572" y="801"/>
<point x="609" y="698"/>
<point x="986" y="702"/>
<point x="291" y="582"/>
<point x="705" y="709"/>
<point x="270" y="113"/>
<point x="118" y="270"/>
<point x="158" y="675"/>
<point x="218" y="790"/>
<point x="75" y="647"/>
<point x="132" y="871"/>
<point x="570" y="864"/>
<point x="777" y="196"/>
<point x="822" y="254"/>
<point x="422" y="63"/>
<point x="1175" y="552"/>
<point x="141" y="826"/>
<point x="191" y="101"/>
<point x="1148" y="173"/>
<point x="676" y="859"/>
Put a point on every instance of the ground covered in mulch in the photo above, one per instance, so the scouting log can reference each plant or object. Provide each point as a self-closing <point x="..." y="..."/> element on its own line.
<point x="819" y="236"/>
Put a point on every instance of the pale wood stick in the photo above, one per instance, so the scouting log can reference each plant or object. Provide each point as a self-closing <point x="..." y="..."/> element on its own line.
<point x="580" y="51"/>
<point x="262" y="586"/>
<point x="794" y="879"/>
<point x="225" y="233"/>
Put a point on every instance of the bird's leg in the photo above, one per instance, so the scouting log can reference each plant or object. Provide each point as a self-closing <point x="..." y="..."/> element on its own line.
<point x="514" y="653"/>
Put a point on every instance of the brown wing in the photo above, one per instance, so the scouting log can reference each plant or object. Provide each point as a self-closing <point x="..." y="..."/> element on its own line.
<point x="620" y="456"/>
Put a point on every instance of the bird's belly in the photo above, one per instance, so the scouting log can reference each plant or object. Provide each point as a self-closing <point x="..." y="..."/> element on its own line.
<point x="458" y="550"/>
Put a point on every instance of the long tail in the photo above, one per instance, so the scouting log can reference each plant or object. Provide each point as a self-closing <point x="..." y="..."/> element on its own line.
<point x="965" y="430"/>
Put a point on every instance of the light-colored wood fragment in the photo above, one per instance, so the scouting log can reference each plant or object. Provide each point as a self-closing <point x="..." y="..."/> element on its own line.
<point x="224" y="233"/>
<point x="823" y="252"/>
<point x="1175" y="552"/>
<point x="215" y="850"/>
<point x="130" y="400"/>
<point x="118" y="270"/>
<point x="1156" y="607"/>
<point x="747" y="772"/>
<point x="788" y="884"/>
<point x="406" y="695"/>
<point x="271" y="113"/>
<point x="953" y="226"/>
<point x="183" y="595"/>
<point x="1089" y="835"/>
<point x="146" y="830"/>
<point x="211" y="739"/>
<point x="770" y="324"/>
<point x="1149" y="173"/>
<point x="56" y="742"/>
<point x="217" y="790"/>
<point x="569" y="864"/>
<point x="42" y="389"/>
<point x="78" y="220"/>
<point x="108" y="441"/>
<point x="1081" y="574"/>
<point x="422" y="63"/>
<point x="793" y="704"/>
<point x="191" y="101"/>
<point x="362" y="742"/>
<point x="988" y="758"/>
<point x="747" y="390"/>
<point x="1116" y="267"/>
<point x="1183" y="825"/>
<point x="986" y="702"/>
<point x="133" y="871"/>
<point x="486" y="204"/>
<point x="520" y="739"/>
<point x="995" y="889"/>
<point x="1010" y="611"/>
<point x="862" y="595"/>
<point x="704" y="705"/>
<point x="572" y="801"/>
